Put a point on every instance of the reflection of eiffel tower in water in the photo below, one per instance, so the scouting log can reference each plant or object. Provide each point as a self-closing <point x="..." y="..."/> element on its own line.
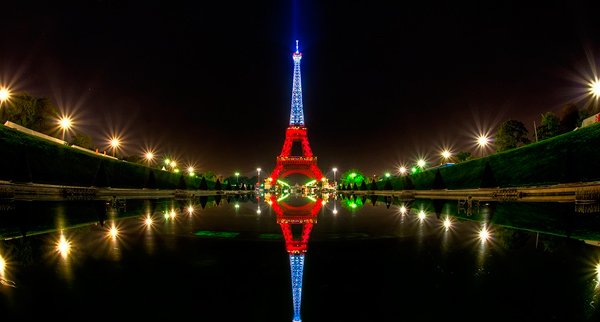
<point x="306" y="216"/>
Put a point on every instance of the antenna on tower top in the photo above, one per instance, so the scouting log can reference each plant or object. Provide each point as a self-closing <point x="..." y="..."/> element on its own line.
<point x="297" y="47"/>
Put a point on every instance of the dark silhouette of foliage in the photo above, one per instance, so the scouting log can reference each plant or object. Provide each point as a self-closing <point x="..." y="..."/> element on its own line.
<point x="408" y="184"/>
<point x="438" y="181"/>
<point x="203" y="185"/>
<point x="151" y="181"/>
<point x="463" y="156"/>
<point x="363" y="185"/>
<point x="38" y="114"/>
<point x="569" y="118"/>
<point x="373" y="199"/>
<point x="181" y="185"/>
<point x="388" y="185"/>
<point x="373" y="185"/>
<point x="228" y="186"/>
<point x="203" y="201"/>
<point x="569" y="173"/>
<point x="488" y="179"/>
<point x="100" y="180"/>
<point x="511" y="135"/>
<point x="218" y="197"/>
<point x="218" y="185"/>
<point x="82" y="140"/>
<point x="355" y="186"/>
<point x="21" y="171"/>
<point x="549" y="127"/>
<point x="438" y="206"/>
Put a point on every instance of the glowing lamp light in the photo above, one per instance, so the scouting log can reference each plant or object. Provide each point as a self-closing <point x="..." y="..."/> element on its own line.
<point x="387" y="174"/>
<point x="594" y="88"/>
<point x="2" y="266"/>
<point x="352" y="175"/>
<point x="63" y="246"/>
<point x="4" y="94"/>
<point x="148" y="221"/>
<point x="172" y="214"/>
<point x="114" y="142"/>
<point x="334" y="211"/>
<point x="421" y="163"/>
<point x="65" y="123"/>
<point x="447" y="223"/>
<point x="446" y="154"/>
<point x="413" y="169"/>
<point x="167" y="161"/>
<point x="237" y="206"/>
<point x="113" y="232"/>
<point x="422" y="215"/>
<point x="173" y="164"/>
<point x="403" y="210"/>
<point x="149" y="156"/>
<point x="482" y="141"/>
<point x="403" y="170"/>
<point x="190" y="210"/>
<point x="484" y="234"/>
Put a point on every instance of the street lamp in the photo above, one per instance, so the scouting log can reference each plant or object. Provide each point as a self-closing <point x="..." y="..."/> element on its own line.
<point x="595" y="88"/>
<point x="258" y="170"/>
<point x="149" y="157"/>
<point x="482" y="141"/>
<point x="65" y="123"/>
<point x="446" y="155"/>
<point x="114" y="142"/>
<point x="334" y="171"/>
<point x="4" y="95"/>
<point x="403" y="170"/>
<point x="237" y="176"/>
<point x="421" y="163"/>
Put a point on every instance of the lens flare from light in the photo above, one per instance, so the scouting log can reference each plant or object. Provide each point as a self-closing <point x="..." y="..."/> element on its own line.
<point x="148" y="221"/>
<point x="403" y="210"/>
<point x="484" y="234"/>
<point x="447" y="223"/>
<point x="172" y="214"/>
<point x="63" y="246"/>
<point x="113" y="232"/>
<point x="595" y="88"/>
<point x="422" y="215"/>
<point x="190" y="209"/>
<point x="2" y="265"/>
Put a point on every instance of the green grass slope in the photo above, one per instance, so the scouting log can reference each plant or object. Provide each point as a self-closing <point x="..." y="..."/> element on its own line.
<point x="46" y="162"/>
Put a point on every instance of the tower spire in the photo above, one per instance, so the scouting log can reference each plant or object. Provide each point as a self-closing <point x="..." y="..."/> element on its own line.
<point x="297" y="114"/>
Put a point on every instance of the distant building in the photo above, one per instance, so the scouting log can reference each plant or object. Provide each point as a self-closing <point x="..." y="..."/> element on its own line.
<point x="591" y="120"/>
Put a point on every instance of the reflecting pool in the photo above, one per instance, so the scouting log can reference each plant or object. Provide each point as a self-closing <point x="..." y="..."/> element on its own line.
<point x="295" y="257"/>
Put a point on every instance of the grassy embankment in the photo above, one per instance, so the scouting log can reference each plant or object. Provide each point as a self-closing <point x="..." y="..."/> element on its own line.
<point x="26" y="158"/>
<point x="542" y="163"/>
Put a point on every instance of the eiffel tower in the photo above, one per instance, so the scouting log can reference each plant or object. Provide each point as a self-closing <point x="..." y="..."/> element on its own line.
<point x="306" y="163"/>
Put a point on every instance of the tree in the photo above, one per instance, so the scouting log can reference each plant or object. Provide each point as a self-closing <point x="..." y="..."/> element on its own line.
<point x="209" y="175"/>
<point x="352" y="176"/>
<point x="82" y="140"/>
<point x="463" y="156"/>
<point x="511" y="134"/>
<point x="38" y="114"/>
<point x="549" y="127"/>
<point x="135" y="159"/>
<point x="569" y="118"/>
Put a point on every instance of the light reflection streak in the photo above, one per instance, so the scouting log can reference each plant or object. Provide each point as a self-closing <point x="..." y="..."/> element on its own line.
<point x="63" y="246"/>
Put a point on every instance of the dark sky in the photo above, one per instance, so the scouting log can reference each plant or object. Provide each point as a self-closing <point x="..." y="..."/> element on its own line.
<point x="209" y="82"/>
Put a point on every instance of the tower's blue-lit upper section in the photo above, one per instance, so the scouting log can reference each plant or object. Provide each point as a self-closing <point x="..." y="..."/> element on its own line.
<point x="297" y="115"/>
<point x="297" y="270"/>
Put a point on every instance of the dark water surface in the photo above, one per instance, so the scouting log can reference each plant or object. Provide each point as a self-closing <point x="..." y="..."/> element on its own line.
<point x="364" y="261"/>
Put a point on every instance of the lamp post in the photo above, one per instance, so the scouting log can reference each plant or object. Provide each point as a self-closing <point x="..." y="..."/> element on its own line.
<point x="334" y="183"/>
<point x="482" y="141"/>
<point x="4" y="95"/>
<point x="114" y="143"/>
<point x="446" y="155"/>
<point x="237" y="180"/>
<point x="149" y="157"/>
<point x="402" y="170"/>
<point x="258" y="170"/>
<point x="65" y="124"/>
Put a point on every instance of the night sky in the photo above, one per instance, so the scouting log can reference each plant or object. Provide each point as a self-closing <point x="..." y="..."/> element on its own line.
<point x="209" y="82"/>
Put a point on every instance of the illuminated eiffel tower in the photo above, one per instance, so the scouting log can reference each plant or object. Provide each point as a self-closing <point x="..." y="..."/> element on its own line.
<point x="296" y="132"/>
